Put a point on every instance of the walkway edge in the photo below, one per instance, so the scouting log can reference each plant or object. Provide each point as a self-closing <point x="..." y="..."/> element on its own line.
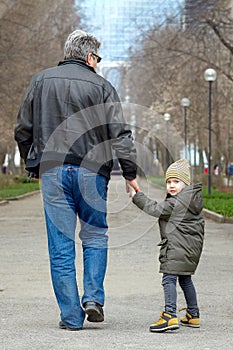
<point x="3" y="202"/>
<point x="22" y="196"/>
<point x="217" y="217"/>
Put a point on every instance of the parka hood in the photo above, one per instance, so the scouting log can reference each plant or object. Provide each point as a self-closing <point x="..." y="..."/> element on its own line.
<point x="191" y="198"/>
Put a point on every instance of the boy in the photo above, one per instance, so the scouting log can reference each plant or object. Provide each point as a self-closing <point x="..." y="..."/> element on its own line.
<point x="182" y="233"/>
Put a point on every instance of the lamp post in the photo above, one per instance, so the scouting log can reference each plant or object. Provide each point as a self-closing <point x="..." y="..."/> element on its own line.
<point x="185" y="103"/>
<point x="167" y="117"/>
<point x="157" y="126"/>
<point x="210" y="76"/>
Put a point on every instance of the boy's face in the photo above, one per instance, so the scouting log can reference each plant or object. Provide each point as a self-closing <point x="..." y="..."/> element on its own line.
<point x="174" y="186"/>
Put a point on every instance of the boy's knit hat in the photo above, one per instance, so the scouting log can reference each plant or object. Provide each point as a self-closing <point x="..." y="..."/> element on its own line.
<point x="180" y="169"/>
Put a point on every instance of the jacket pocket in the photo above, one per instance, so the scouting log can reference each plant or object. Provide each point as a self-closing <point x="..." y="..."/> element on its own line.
<point x="52" y="189"/>
<point x="95" y="188"/>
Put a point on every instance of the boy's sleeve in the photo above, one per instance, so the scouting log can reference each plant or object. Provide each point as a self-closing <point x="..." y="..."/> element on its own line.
<point x="153" y="208"/>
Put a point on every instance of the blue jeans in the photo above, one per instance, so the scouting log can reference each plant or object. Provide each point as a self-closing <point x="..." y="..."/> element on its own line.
<point x="170" y="293"/>
<point x="70" y="191"/>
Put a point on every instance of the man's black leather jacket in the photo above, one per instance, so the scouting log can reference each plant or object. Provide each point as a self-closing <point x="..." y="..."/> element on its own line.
<point x="70" y="114"/>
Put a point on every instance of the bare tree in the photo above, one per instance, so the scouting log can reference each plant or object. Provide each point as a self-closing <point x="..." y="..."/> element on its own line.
<point x="170" y="64"/>
<point x="32" y="37"/>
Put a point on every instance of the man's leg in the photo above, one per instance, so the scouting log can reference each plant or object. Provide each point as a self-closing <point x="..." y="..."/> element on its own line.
<point x="92" y="212"/>
<point x="61" y="222"/>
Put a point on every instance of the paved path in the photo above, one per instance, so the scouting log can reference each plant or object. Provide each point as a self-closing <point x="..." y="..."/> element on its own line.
<point x="134" y="298"/>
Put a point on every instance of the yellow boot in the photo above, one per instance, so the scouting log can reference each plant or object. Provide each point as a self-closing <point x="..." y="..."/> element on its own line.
<point x="190" y="321"/>
<point x="165" y="323"/>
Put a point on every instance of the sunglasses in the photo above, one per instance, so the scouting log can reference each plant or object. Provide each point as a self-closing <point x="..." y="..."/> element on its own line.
<point x="98" y="57"/>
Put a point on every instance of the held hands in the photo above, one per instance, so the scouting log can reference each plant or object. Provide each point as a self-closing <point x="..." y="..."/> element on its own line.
<point x="132" y="187"/>
<point x="132" y="191"/>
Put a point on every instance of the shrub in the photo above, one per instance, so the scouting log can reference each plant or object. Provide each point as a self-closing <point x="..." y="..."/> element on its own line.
<point x="219" y="202"/>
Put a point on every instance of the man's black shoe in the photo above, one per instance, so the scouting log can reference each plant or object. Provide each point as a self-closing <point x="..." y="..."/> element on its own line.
<point x="63" y="326"/>
<point x="94" y="311"/>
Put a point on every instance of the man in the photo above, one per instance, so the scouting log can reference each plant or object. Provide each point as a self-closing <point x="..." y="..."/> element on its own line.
<point x="69" y="122"/>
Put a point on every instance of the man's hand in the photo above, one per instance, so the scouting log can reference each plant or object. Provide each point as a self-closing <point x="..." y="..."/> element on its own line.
<point x="133" y="183"/>
<point x="132" y="191"/>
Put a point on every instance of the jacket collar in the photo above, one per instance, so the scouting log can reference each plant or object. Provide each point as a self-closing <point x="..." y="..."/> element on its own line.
<point x="78" y="62"/>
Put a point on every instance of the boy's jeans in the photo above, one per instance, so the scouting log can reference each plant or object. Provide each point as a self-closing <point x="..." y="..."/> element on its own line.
<point x="69" y="191"/>
<point x="170" y="294"/>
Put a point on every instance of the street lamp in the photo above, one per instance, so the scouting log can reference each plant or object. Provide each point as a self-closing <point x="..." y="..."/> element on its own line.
<point x="167" y="117"/>
<point x="210" y="76"/>
<point x="185" y="103"/>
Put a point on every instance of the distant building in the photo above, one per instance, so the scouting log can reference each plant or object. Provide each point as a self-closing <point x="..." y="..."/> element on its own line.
<point x="117" y="24"/>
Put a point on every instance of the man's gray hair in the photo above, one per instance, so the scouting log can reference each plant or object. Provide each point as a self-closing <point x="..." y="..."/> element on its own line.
<point x="79" y="44"/>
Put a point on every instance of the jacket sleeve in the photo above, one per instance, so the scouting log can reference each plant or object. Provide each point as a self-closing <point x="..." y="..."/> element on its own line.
<point x="120" y="135"/>
<point x="23" y="129"/>
<point x="151" y="207"/>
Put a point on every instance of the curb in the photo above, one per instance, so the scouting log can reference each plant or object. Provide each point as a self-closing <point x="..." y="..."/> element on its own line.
<point x="22" y="196"/>
<point x="4" y="202"/>
<point x="217" y="217"/>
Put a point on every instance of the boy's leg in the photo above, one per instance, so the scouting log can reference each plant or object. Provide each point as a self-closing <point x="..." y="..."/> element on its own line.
<point x="168" y="320"/>
<point x="170" y="293"/>
<point x="189" y="291"/>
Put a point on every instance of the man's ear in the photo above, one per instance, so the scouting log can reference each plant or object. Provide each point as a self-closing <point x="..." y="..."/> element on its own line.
<point x="89" y="59"/>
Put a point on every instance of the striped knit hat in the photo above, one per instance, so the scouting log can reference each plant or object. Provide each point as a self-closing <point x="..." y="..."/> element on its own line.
<point x="180" y="170"/>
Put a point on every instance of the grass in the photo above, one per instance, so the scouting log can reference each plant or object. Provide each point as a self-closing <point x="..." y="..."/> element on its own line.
<point x="218" y="202"/>
<point x="15" y="186"/>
